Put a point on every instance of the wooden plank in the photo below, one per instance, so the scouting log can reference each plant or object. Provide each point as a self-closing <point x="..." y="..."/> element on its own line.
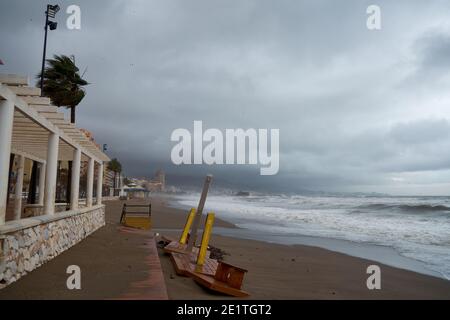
<point x="42" y="108"/>
<point x="53" y="115"/>
<point x="219" y="286"/>
<point x="13" y="79"/>
<point x="26" y="91"/>
<point x="37" y="100"/>
<point x="27" y="155"/>
<point x="24" y="137"/>
<point x="186" y="263"/>
<point x="175" y="246"/>
<point x="33" y="130"/>
<point x="58" y="122"/>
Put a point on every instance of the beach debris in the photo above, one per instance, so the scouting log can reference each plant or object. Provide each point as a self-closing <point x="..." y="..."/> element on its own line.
<point x="208" y="271"/>
<point x="205" y="264"/>
<point x="162" y="243"/>
<point x="217" y="253"/>
<point x="198" y="214"/>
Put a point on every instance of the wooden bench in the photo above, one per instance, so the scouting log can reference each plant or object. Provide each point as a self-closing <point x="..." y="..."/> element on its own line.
<point x="210" y="273"/>
<point x="227" y="279"/>
<point x="137" y="216"/>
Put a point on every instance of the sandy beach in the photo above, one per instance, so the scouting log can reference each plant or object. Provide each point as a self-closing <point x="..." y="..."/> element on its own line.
<point x="113" y="262"/>
<point x="297" y="272"/>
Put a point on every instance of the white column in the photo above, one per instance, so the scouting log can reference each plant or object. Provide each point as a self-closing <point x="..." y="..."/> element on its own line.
<point x="75" y="183"/>
<point x="51" y="173"/>
<point x="90" y="182"/>
<point x="99" y="182"/>
<point x="41" y="183"/>
<point x="19" y="188"/>
<point x="6" y="125"/>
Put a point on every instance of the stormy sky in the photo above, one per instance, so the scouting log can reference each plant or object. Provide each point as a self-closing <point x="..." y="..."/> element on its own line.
<point x="358" y="110"/>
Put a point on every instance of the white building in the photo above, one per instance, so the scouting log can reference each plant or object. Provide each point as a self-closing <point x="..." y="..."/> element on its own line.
<point x="33" y="129"/>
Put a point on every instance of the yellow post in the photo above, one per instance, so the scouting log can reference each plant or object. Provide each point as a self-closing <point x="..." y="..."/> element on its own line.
<point x="205" y="239"/>
<point x="187" y="226"/>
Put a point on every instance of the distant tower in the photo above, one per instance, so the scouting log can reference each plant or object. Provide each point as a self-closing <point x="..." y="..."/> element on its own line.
<point x="160" y="176"/>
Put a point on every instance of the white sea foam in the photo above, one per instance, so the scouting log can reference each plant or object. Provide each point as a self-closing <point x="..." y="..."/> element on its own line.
<point x="416" y="227"/>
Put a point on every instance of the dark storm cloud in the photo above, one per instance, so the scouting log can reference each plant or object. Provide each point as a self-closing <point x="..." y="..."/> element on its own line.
<point x="434" y="51"/>
<point x="357" y="110"/>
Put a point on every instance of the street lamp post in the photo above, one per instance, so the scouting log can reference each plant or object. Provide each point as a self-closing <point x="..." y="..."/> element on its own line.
<point x="50" y="13"/>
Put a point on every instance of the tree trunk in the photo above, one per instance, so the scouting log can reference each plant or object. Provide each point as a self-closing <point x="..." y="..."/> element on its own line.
<point x="72" y="114"/>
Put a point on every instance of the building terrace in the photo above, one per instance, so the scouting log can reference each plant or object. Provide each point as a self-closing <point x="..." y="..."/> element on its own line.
<point x="31" y="128"/>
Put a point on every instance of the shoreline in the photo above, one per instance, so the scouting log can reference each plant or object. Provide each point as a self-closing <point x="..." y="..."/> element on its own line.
<point x="387" y="255"/>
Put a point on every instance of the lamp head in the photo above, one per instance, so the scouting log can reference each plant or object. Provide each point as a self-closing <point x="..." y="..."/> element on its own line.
<point x="52" y="25"/>
<point x="52" y="10"/>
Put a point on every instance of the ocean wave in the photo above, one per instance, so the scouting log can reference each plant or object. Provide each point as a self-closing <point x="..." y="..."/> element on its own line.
<point x="415" y="208"/>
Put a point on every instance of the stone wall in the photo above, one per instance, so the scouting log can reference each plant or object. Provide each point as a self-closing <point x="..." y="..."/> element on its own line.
<point x="28" y="243"/>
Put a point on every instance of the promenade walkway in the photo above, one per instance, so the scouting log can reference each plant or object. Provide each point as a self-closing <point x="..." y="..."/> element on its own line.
<point x="116" y="263"/>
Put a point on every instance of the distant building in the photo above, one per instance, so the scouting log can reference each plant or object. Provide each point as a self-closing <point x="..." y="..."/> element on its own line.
<point x="160" y="177"/>
<point x="158" y="182"/>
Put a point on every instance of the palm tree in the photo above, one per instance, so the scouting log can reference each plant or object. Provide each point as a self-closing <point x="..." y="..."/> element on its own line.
<point x="63" y="83"/>
<point x="115" y="166"/>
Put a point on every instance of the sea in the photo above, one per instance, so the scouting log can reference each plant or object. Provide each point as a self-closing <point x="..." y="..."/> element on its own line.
<point x="414" y="229"/>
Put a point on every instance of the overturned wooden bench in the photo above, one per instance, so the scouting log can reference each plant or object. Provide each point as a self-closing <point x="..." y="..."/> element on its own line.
<point x="227" y="279"/>
<point x="210" y="273"/>
<point x="137" y="216"/>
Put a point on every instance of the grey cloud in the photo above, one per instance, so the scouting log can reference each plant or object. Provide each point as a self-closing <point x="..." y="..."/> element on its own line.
<point x="354" y="107"/>
<point x="434" y="51"/>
